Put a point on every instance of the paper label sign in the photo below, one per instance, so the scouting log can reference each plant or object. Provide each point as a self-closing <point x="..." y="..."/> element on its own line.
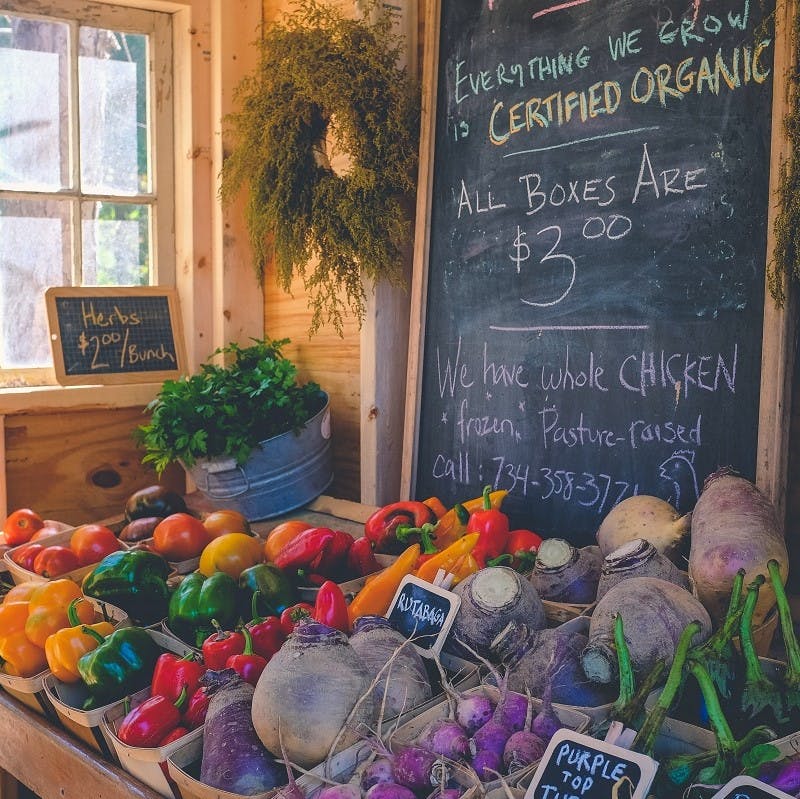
<point x="576" y="766"/>
<point x="749" y="788"/>
<point x="424" y="613"/>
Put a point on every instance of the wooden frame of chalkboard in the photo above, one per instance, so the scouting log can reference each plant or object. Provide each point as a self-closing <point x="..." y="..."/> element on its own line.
<point x="518" y="377"/>
<point x="115" y="335"/>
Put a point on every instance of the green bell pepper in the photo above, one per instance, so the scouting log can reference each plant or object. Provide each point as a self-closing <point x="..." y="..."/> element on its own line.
<point x="276" y="589"/>
<point x="122" y="663"/>
<point x="198" y="600"/>
<point x="133" y="580"/>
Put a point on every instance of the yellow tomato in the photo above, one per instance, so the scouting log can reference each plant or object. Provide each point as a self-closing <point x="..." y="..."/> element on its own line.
<point x="231" y="553"/>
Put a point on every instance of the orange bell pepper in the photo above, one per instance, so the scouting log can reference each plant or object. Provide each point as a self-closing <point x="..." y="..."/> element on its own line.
<point x="19" y="657"/>
<point x="453" y="525"/>
<point x="13" y="616"/>
<point x="64" y="648"/>
<point x="21" y="592"/>
<point x="47" y="610"/>
<point x="377" y="594"/>
<point x="447" y="558"/>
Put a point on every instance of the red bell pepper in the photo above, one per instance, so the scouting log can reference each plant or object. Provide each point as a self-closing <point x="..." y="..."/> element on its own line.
<point x="175" y="735"/>
<point x="521" y="549"/>
<point x="334" y="556"/>
<point x="381" y="526"/>
<point x="219" y="646"/>
<point x="330" y="607"/>
<point x="172" y="673"/>
<point x="361" y="558"/>
<point x="197" y="707"/>
<point x="492" y="525"/>
<point x="248" y="665"/>
<point x="267" y="634"/>
<point x="292" y="615"/>
<point x="304" y="549"/>
<point x="149" y="723"/>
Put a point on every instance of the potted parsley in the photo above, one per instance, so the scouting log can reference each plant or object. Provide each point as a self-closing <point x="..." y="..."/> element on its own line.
<point x="247" y="432"/>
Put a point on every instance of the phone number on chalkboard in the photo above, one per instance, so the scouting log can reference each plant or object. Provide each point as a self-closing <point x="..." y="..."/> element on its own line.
<point x="598" y="491"/>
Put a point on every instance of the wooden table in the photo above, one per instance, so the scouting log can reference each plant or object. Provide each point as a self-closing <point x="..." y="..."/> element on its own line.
<point x="53" y="764"/>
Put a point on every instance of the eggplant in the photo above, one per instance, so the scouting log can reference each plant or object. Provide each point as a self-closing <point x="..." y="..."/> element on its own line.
<point x="153" y="500"/>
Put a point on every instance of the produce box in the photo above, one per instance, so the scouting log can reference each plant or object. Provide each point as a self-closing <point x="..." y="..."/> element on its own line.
<point x="20" y="575"/>
<point x="183" y="766"/>
<point x="406" y="733"/>
<point x="149" y="765"/>
<point x="558" y="613"/>
<point x="68" y="698"/>
<point x="30" y="691"/>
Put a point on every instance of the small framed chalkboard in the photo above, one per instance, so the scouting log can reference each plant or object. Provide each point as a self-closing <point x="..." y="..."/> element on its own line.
<point x="578" y="765"/>
<point x="424" y="613"/>
<point x="749" y="788"/>
<point x="115" y="335"/>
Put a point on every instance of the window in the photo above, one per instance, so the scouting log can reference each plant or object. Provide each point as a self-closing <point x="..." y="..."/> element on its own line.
<point x="86" y="163"/>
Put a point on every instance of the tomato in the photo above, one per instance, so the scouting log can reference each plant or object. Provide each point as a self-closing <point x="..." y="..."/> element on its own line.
<point x="220" y="522"/>
<point x="180" y="537"/>
<point x="282" y="534"/>
<point x="55" y="561"/>
<point x="92" y="542"/>
<point x="25" y="555"/>
<point x="231" y="553"/>
<point x="45" y="532"/>
<point x="21" y="525"/>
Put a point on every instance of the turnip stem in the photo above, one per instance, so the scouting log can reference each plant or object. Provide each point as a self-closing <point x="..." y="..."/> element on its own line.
<point x="792" y="676"/>
<point x="627" y="687"/>
<point x="628" y="713"/>
<point x="646" y="737"/>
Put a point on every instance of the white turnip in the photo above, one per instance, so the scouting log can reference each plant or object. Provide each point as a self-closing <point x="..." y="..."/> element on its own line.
<point x="654" y="612"/>
<point x="643" y="516"/>
<point x="734" y="526"/>
<point x="313" y="694"/>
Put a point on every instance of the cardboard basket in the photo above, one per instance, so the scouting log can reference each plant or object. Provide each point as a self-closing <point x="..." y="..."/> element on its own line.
<point x="20" y="575"/>
<point x="147" y="764"/>
<point x="406" y="733"/>
<point x="30" y="691"/>
<point x="68" y="698"/>
<point x="558" y="613"/>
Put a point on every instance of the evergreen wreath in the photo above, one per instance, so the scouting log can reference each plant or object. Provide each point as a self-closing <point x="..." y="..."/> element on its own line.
<point x="323" y="80"/>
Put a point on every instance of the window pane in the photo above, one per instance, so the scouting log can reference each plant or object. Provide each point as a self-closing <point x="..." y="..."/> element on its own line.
<point x="33" y="104"/>
<point x="112" y="80"/>
<point x="116" y="244"/>
<point x="34" y="254"/>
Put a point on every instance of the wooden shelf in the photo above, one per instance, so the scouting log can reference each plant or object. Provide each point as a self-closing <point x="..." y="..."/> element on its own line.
<point x="53" y="764"/>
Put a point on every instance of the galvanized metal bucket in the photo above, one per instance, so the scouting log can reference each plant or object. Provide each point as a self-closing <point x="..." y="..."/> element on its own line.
<point x="282" y="473"/>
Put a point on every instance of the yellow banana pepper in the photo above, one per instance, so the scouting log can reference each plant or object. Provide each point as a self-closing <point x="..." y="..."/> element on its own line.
<point x="447" y="558"/>
<point x="377" y="594"/>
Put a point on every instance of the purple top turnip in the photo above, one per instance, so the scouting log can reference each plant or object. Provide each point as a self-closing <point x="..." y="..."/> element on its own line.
<point x="564" y="573"/>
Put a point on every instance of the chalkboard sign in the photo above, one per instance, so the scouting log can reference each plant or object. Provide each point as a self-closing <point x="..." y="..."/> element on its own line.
<point x="577" y="765"/>
<point x="593" y="253"/>
<point x="115" y="335"/>
<point x="424" y="613"/>
<point x="749" y="788"/>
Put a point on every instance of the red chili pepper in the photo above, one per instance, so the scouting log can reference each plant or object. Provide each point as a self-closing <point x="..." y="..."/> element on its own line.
<point x="293" y="614"/>
<point x="172" y="673"/>
<point x="334" y="557"/>
<point x="147" y="724"/>
<point x="219" y="646"/>
<point x="267" y="634"/>
<point x="175" y="735"/>
<point x="492" y="525"/>
<point x="330" y="607"/>
<point x="381" y="526"/>
<point x="304" y="549"/>
<point x="248" y="665"/>
<point x="361" y="558"/>
<point x="196" y="709"/>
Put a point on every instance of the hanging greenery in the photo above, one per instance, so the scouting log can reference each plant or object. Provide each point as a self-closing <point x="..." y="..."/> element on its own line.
<point x="786" y="262"/>
<point x="326" y="83"/>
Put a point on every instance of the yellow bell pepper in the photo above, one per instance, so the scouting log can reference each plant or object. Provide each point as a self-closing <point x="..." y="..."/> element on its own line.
<point x="19" y="657"/>
<point x="47" y="610"/>
<point x="447" y="558"/>
<point x="453" y="524"/>
<point x="64" y="648"/>
<point x="377" y="594"/>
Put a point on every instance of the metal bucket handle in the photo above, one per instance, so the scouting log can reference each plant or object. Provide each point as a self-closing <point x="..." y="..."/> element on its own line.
<point x="206" y="489"/>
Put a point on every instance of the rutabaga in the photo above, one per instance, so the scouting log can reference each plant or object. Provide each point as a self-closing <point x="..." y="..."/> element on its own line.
<point x="405" y="682"/>
<point x="564" y="573"/>
<point x="312" y="695"/>
<point x="655" y="613"/>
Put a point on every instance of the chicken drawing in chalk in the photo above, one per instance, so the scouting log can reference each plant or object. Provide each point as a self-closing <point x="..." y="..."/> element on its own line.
<point x="679" y="470"/>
